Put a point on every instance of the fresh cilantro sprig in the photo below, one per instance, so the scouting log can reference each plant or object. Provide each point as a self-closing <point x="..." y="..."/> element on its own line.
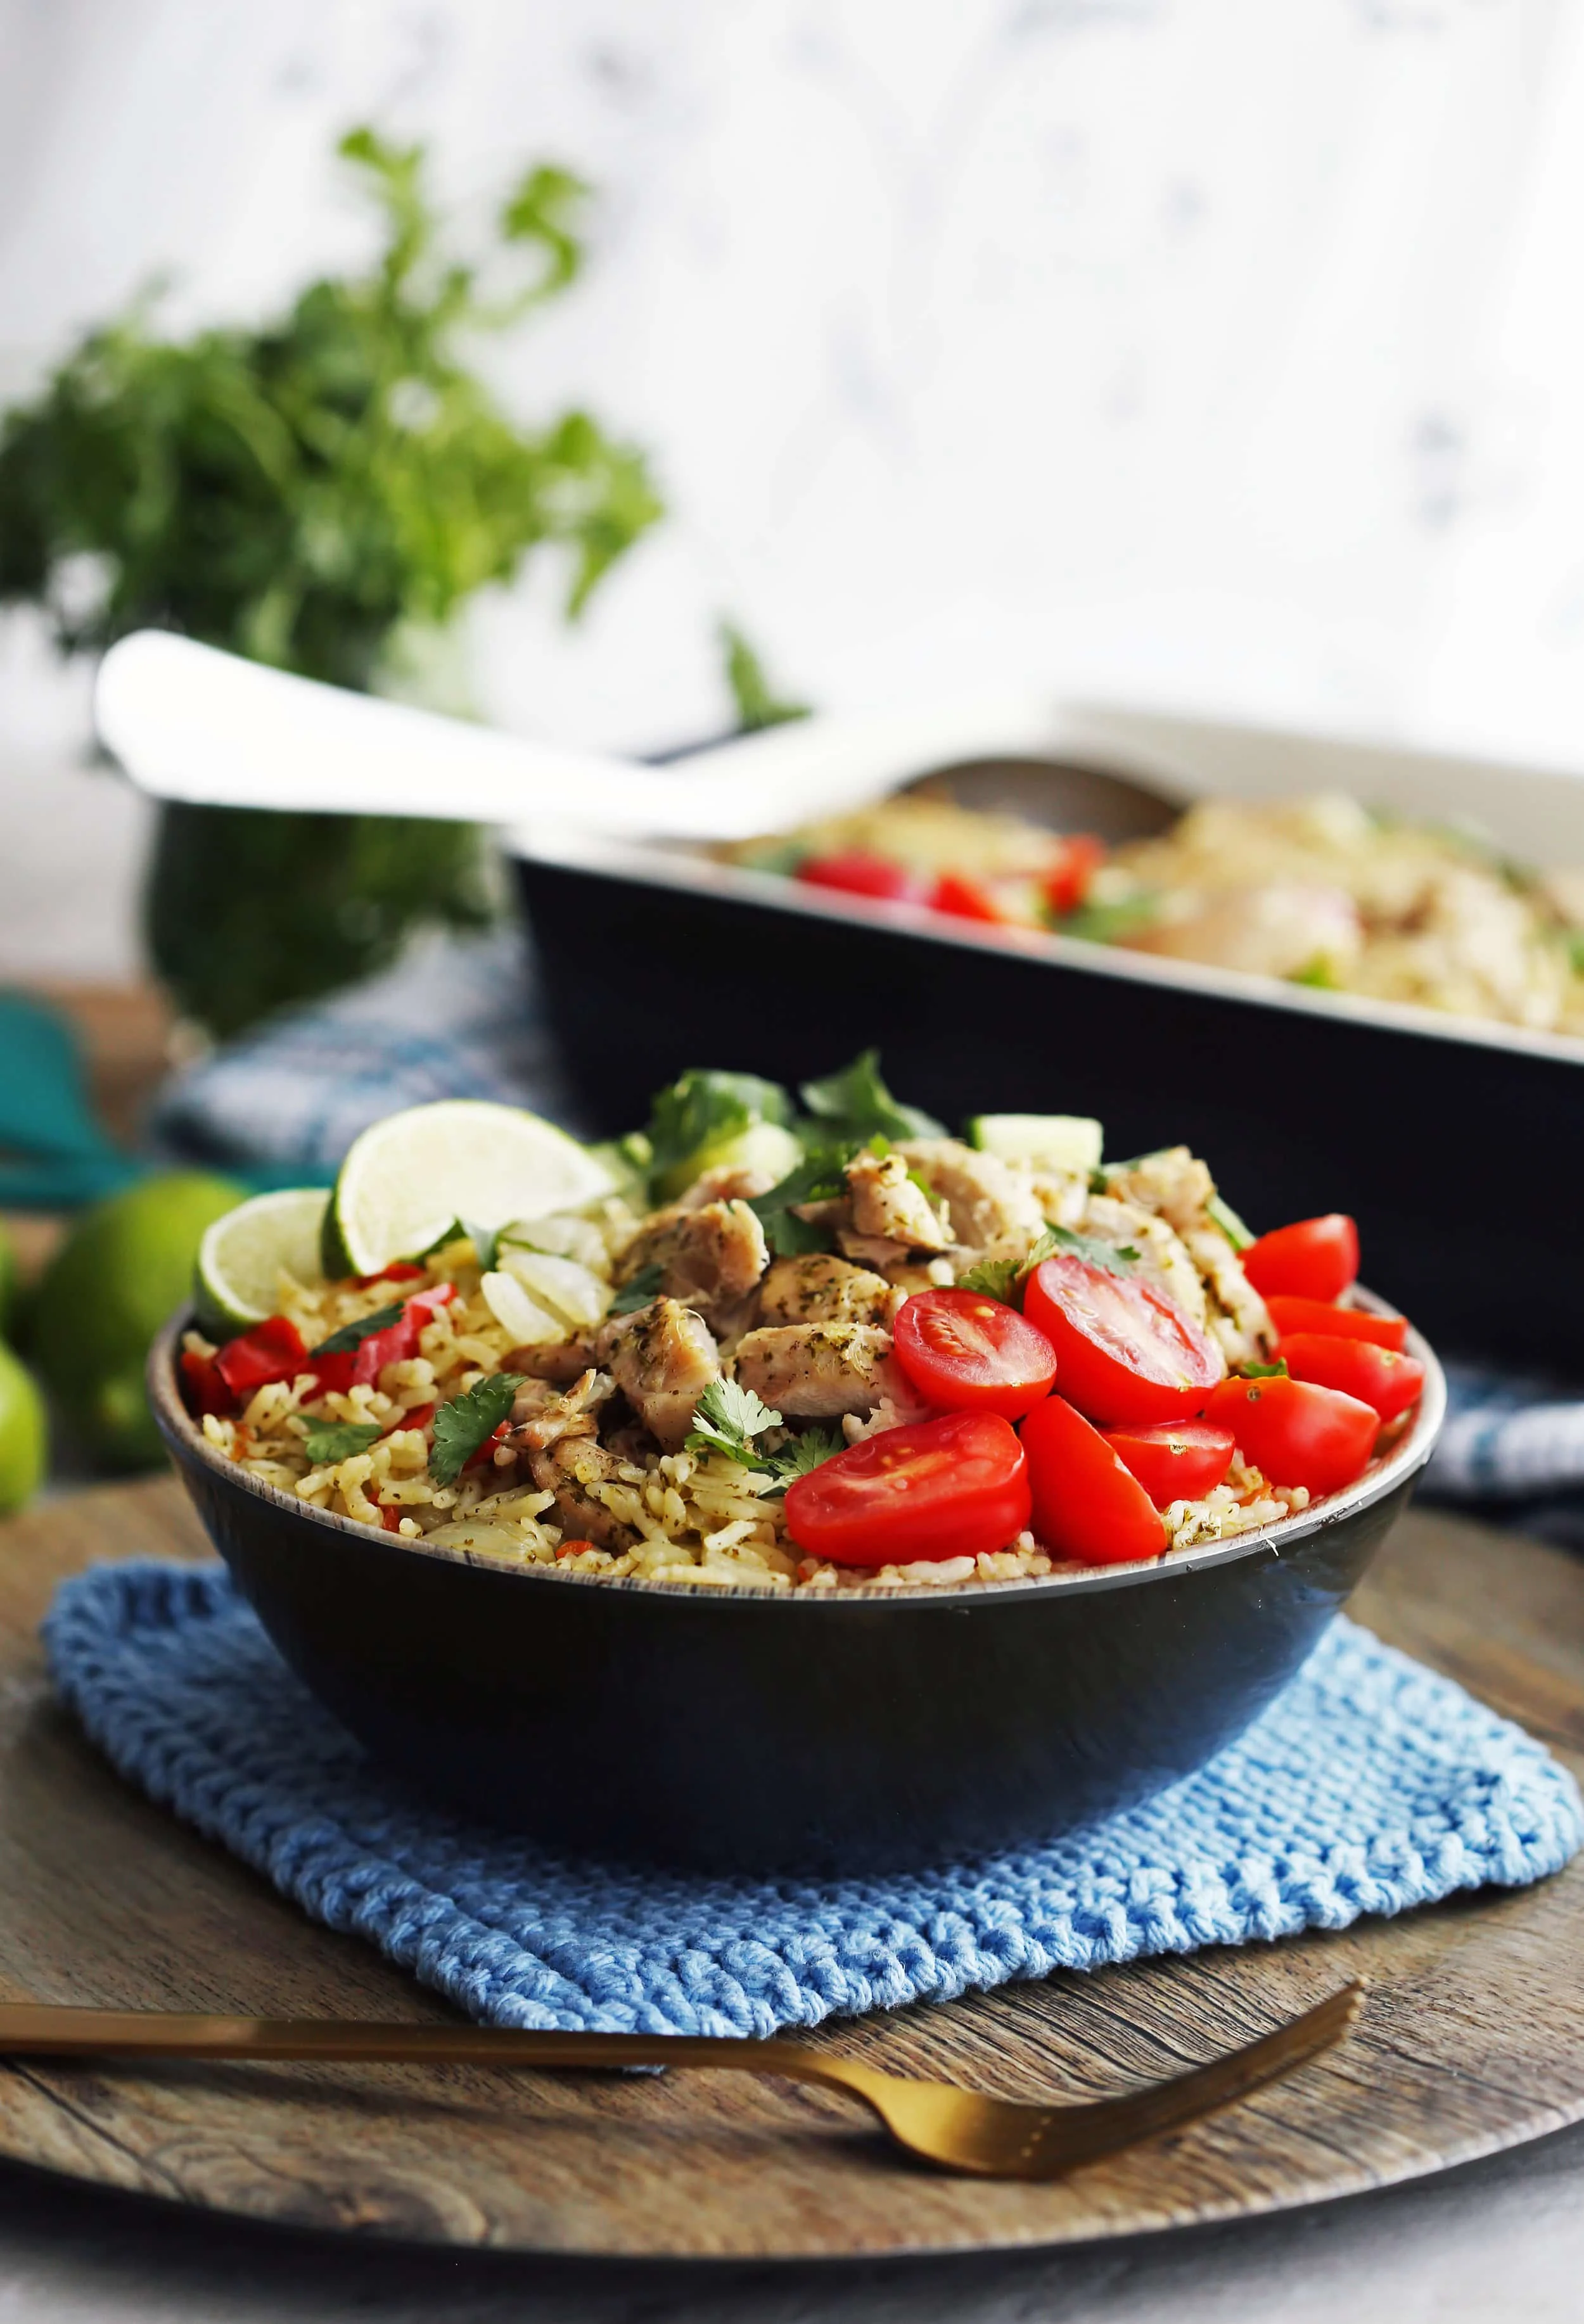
<point x="1278" y="1371"/>
<point x="352" y="1335"/>
<point x="638" y="1290"/>
<point x="704" y="1108"/>
<point x="818" y="1179"/>
<point x="339" y="1440"/>
<point x="1003" y="1279"/>
<point x="727" y="1417"/>
<point x="855" y="1103"/>
<point x="469" y="1421"/>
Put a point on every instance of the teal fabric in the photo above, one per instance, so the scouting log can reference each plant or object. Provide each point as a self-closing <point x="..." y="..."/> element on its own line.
<point x="53" y="1153"/>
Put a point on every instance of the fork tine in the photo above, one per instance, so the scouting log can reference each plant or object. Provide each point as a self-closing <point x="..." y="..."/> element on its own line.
<point x="1070" y="2135"/>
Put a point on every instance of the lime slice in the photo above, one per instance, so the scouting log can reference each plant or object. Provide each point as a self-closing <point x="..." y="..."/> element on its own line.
<point x="239" y="1259"/>
<point x="409" y="1179"/>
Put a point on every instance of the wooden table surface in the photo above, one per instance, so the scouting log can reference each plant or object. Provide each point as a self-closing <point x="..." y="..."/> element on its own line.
<point x="1459" y="2244"/>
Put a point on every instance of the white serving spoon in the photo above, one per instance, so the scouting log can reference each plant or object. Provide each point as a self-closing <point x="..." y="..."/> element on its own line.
<point x="188" y="722"/>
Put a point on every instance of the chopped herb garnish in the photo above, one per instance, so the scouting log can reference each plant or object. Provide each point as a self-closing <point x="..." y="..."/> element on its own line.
<point x="1278" y="1371"/>
<point x="469" y="1421"/>
<point x="484" y="1241"/>
<point x="727" y="1419"/>
<point x="1115" y="1259"/>
<point x="339" y="1440"/>
<point x="1223" y="1215"/>
<point x="1318" y="973"/>
<point x="638" y="1290"/>
<point x="352" y="1335"/>
<point x="1108" y="923"/>
<point x="818" y="1177"/>
<point x="855" y="1103"/>
<point x="705" y="1109"/>
<point x="997" y="1279"/>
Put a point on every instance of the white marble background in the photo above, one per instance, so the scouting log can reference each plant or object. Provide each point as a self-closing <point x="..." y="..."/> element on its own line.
<point x="1203" y="351"/>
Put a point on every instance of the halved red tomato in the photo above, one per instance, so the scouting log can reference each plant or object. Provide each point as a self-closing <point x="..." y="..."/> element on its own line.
<point x="1290" y="1314"/>
<point x="965" y="899"/>
<point x="1067" y="882"/>
<point x="1298" y="1433"/>
<point x="855" y="872"/>
<point x="1124" y="1351"/>
<point x="1175" y="1459"/>
<point x="965" y="1351"/>
<point x="948" y="1488"/>
<point x="1378" y="1377"/>
<point x="1315" y="1258"/>
<point x="1088" y="1505"/>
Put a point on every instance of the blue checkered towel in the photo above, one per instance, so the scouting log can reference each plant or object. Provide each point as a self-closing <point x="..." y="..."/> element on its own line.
<point x="1369" y="1786"/>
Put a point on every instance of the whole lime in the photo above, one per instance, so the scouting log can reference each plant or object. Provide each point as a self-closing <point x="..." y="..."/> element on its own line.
<point x="23" y="1438"/>
<point x="7" y="1281"/>
<point x="125" y="1264"/>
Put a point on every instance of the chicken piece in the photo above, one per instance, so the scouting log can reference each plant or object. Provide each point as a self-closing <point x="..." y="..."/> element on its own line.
<point x="994" y="1210"/>
<point x="821" y="1289"/>
<point x="732" y="1183"/>
<point x="900" y="1405"/>
<point x="1238" y="1316"/>
<point x="1163" y="1258"/>
<point x="541" y="1417"/>
<point x="1174" y="1184"/>
<point x="560" y="1363"/>
<point x="815" y="1371"/>
<point x="883" y="1218"/>
<point x="710" y="1258"/>
<point x="1281" y="929"/>
<point x="568" y="1470"/>
<point x="663" y="1357"/>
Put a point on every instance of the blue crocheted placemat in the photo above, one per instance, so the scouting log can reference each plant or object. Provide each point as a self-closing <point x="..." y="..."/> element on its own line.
<point x="1371" y="1785"/>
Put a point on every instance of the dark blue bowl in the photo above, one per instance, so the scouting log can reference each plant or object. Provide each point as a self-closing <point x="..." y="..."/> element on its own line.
<point x="747" y="1730"/>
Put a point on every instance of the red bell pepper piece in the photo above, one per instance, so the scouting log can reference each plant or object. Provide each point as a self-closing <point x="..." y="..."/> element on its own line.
<point x="1067" y="882"/>
<point x="965" y="899"/>
<point x="399" y="1270"/>
<point x="855" y="872"/>
<point x="273" y="1351"/>
<point x="487" y="1450"/>
<point x="205" y="1387"/>
<point x="399" y="1341"/>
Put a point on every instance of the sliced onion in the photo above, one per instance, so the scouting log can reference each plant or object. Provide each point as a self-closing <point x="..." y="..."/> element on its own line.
<point x="568" y="1237"/>
<point x="562" y="1284"/>
<point x="530" y="1324"/>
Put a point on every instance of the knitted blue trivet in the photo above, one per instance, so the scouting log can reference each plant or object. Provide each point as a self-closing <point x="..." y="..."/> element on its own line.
<point x="1371" y="1785"/>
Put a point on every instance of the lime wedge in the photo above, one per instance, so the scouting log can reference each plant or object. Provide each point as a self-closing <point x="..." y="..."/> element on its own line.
<point x="240" y="1257"/>
<point x="409" y="1179"/>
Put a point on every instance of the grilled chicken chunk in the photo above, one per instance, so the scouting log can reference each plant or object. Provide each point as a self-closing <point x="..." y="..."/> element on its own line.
<point x="568" y="1469"/>
<point x="822" y="1289"/>
<point x="561" y="1362"/>
<point x="1238" y="1316"/>
<point x="815" y="1371"/>
<point x="883" y="1219"/>
<point x="1177" y="1187"/>
<point x="711" y="1256"/>
<point x="995" y="1211"/>
<point x="541" y="1417"/>
<point x="1174" y="1184"/>
<point x="1163" y="1258"/>
<point x="663" y="1357"/>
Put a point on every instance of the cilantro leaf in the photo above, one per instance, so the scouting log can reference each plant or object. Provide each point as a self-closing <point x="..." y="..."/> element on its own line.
<point x="1231" y="1225"/>
<point x="805" y="1452"/>
<point x="997" y="1277"/>
<point x="469" y="1421"/>
<point x="1278" y="1371"/>
<point x="484" y="1241"/>
<point x="818" y="1179"/>
<point x="704" y="1108"/>
<point x="638" y="1290"/>
<point x="352" y="1335"/>
<point x="338" y="1440"/>
<point x="727" y="1418"/>
<point x="1115" y="1259"/>
<point x="855" y="1103"/>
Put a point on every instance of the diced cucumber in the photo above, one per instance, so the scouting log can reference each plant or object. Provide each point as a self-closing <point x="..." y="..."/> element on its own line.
<point x="1068" y="1142"/>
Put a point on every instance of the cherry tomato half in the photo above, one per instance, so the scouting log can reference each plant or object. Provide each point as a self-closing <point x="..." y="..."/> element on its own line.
<point x="1316" y="1259"/>
<point x="948" y="1488"/>
<point x="1378" y="1377"/>
<point x="1175" y="1459"/>
<point x="855" y="872"/>
<point x="965" y="1351"/>
<point x="1088" y="1505"/>
<point x="965" y="899"/>
<point x="1297" y="1431"/>
<point x="1289" y="1313"/>
<point x="1124" y="1351"/>
<point x="1067" y="882"/>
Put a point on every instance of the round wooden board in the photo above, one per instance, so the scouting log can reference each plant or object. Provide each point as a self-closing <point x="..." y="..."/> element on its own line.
<point x="1473" y="2038"/>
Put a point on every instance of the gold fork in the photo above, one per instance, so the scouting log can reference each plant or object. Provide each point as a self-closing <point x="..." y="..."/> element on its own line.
<point x="998" y="2138"/>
